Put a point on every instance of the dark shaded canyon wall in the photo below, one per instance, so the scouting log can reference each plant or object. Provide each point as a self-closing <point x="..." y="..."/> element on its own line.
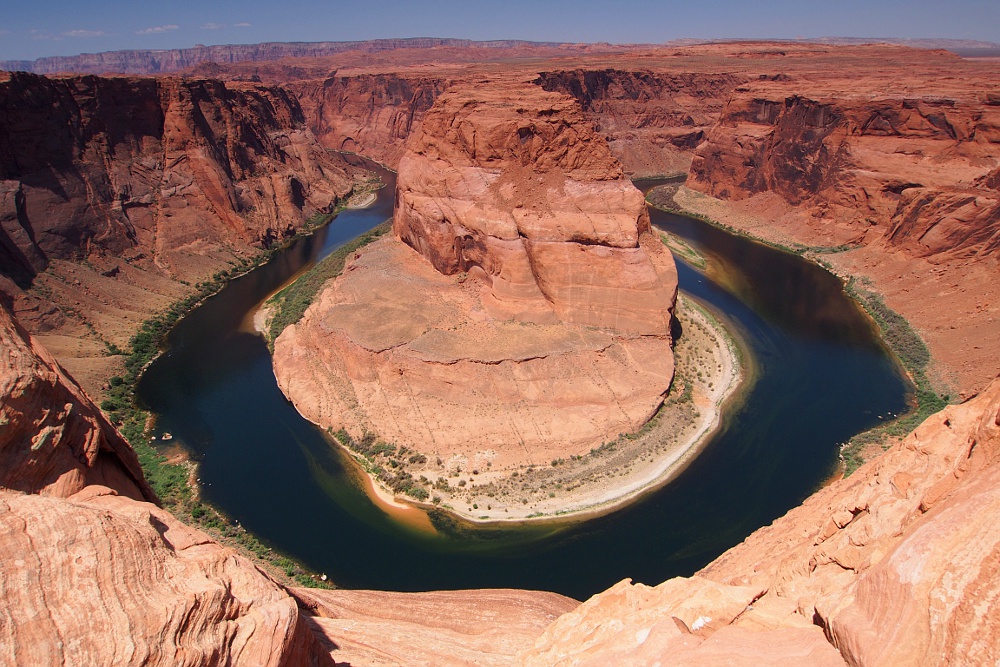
<point x="372" y="114"/>
<point x="920" y="172"/>
<point x="653" y="120"/>
<point x="165" y="177"/>
<point x="133" y="166"/>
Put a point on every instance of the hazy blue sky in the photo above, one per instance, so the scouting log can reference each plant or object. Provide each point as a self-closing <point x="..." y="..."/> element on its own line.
<point x="29" y="29"/>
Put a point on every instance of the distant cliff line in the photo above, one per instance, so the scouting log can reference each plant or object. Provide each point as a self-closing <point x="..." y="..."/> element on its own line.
<point x="158" y="61"/>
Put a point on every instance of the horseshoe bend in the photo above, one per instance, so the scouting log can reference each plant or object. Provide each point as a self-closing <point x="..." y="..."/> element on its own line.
<point x="515" y="346"/>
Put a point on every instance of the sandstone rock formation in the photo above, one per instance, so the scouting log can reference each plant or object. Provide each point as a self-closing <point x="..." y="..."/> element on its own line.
<point x="912" y="166"/>
<point x="896" y="564"/>
<point x="149" y="166"/>
<point x="369" y="113"/>
<point x="537" y="323"/>
<point x="118" y="194"/>
<point x="516" y="188"/>
<point x="481" y="628"/>
<point x="53" y="439"/>
<point x="98" y="579"/>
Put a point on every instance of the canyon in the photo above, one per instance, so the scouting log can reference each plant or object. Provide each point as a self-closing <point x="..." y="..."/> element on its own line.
<point x="880" y="160"/>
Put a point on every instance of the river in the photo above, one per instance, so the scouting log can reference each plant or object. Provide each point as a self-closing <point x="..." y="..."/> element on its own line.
<point x="821" y="376"/>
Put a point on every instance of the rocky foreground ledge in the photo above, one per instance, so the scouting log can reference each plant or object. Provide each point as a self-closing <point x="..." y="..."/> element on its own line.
<point x="896" y="565"/>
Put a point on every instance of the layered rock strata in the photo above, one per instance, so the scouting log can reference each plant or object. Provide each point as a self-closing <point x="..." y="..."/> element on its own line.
<point x="53" y="439"/>
<point x="118" y="194"/>
<point x="895" y="565"/>
<point x="481" y="628"/>
<point x="653" y="119"/>
<point x="533" y="320"/>
<point x="84" y="548"/>
<point x="372" y="114"/>
<point x="909" y="168"/>
<point x="149" y="166"/>
<point x="159" y="592"/>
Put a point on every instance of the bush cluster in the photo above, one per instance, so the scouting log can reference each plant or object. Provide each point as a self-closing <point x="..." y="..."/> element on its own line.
<point x="912" y="353"/>
<point x="385" y="461"/>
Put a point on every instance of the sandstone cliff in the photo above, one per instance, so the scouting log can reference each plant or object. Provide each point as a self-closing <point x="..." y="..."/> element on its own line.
<point x="117" y="194"/>
<point x="515" y="187"/>
<point x="895" y="565"/>
<point x="132" y="166"/>
<point x="653" y="119"/>
<point x="53" y="440"/>
<point x="372" y="114"/>
<point x="910" y="167"/>
<point x="532" y="323"/>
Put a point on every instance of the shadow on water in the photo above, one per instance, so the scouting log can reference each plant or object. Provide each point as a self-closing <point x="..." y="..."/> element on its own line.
<point x="821" y="377"/>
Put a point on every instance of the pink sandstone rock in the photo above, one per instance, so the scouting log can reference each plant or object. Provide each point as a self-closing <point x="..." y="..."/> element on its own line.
<point x="535" y="321"/>
<point x="53" y="439"/>
<point x="98" y="579"/>
<point x="895" y="565"/>
<point x="481" y="628"/>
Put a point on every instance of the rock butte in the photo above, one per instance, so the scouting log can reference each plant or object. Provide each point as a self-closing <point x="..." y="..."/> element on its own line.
<point x="533" y="320"/>
<point x="895" y="565"/>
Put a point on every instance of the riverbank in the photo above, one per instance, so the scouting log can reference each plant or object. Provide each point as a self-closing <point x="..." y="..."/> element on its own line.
<point x="710" y="368"/>
<point x="170" y="470"/>
<point x="872" y="277"/>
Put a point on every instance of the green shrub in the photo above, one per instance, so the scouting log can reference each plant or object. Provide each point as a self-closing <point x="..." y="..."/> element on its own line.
<point x="290" y="304"/>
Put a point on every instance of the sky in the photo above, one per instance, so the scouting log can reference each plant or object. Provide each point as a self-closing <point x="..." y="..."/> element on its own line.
<point x="31" y="29"/>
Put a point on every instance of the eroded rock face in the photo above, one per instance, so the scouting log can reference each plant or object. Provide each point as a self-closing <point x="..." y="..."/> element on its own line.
<point x="118" y="195"/>
<point x="53" y="439"/>
<point x="372" y="114"/>
<point x="133" y="166"/>
<point x="895" y="565"/>
<point x="98" y="579"/>
<point x="518" y="190"/>
<point x="913" y="172"/>
<point x="535" y="321"/>
<point x="480" y="628"/>
<point x="653" y="119"/>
